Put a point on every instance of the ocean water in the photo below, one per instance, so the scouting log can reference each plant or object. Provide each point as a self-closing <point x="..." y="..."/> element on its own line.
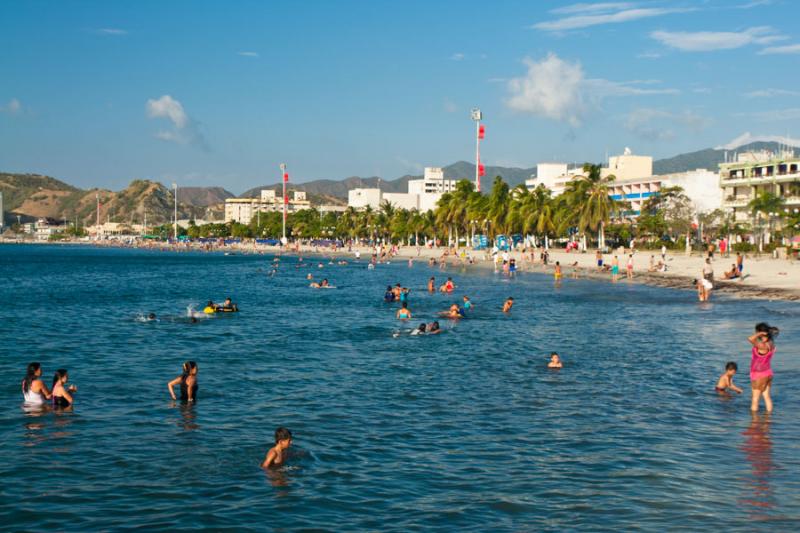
<point x="467" y="430"/>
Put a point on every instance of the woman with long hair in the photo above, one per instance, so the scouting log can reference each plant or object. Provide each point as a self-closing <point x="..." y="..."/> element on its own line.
<point x="34" y="390"/>
<point x="61" y="392"/>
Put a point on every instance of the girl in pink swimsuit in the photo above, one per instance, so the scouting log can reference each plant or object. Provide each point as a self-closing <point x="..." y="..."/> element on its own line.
<point x="763" y="341"/>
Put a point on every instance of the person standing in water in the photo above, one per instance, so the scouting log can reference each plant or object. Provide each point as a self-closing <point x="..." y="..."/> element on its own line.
<point x="187" y="382"/>
<point x="34" y="391"/>
<point x="404" y="313"/>
<point x="763" y="341"/>
<point x="61" y="392"/>
<point x="615" y="269"/>
<point x="276" y="456"/>
<point x="509" y="303"/>
<point x="629" y="266"/>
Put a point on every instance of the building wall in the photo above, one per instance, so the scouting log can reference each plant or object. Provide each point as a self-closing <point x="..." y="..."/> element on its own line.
<point x="402" y="200"/>
<point x="361" y="198"/>
<point x="546" y="173"/>
<point x="628" y="166"/>
<point x="701" y="186"/>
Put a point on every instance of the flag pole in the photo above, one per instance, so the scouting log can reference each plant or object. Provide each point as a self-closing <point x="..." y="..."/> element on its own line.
<point x="477" y="116"/>
<point x="283" y="199"/>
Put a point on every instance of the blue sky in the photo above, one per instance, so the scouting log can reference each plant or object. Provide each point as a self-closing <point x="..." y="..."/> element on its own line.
<point x="219" y="93"/>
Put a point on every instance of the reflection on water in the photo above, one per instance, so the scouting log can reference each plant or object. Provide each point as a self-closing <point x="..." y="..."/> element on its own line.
<point x="188" y="415"/>
<point x="757" y="448"/>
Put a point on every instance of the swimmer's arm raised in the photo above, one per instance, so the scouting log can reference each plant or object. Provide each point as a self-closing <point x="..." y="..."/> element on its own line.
<point x="172" y="384"/>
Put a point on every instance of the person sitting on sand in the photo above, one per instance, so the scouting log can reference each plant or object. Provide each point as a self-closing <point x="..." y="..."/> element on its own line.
<point x="733" y="273"/>
<point x="276" y="456"/>
<point x="404" y="313"/>
<point x="725" y="381"/>
<point x="509" y="303"/>
<point x="555" y="361"/>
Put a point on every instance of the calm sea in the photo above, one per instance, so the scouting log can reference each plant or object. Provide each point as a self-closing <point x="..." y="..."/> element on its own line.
<point x="467" y="430"/>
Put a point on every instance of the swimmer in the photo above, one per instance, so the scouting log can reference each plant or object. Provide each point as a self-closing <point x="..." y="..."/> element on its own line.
<point x="227" y="305"/>
<point x="61" y="393"/>
<point x="557" y="272"/>
<point x="187" y="381"/>
<point x="388" y="296"/>
<point x="396" y="291"/>
<point x="310" y="276"/>
<point x="509" y="303"/>
<point x="404" y="294"/>
<point x="210" y="307"/>
<point x="725" y="381"/>
<point x="403" y="313"/>
<point x="449" y="285"/>
<point x="420" y="330"/>
<point x="555" y="361"/>
<point x="432" y="284"/>
<point x="454" y="312"/>
<point x="151" y="316"/>
<point x="467" y="303"/>
<point x="324" y="283"/>
<point x="276" y="454"/>
<point x="434" y="329"/>
<point x="34" y="391"/>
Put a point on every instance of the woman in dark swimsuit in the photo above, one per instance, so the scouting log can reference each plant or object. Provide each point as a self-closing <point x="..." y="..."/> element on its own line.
<point x="187" y="382"/>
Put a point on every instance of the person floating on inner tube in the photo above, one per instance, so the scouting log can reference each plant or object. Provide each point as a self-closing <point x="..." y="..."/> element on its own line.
<point x="227" y="306"/>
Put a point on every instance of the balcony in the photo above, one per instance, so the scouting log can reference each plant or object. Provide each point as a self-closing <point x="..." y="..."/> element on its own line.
<point x="756" y="180"/>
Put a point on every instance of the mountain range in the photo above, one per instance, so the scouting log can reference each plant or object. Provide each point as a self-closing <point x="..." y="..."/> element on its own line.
<point x="31" y="196"/>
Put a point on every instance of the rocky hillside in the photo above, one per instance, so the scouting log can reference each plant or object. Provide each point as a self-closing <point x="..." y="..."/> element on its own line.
<point x="709" y="158"/>
<point x="203" y="196"/>
<point x="32" y="196"/>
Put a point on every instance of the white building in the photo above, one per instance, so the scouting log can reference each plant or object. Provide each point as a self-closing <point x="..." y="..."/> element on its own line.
<point x="44" y="228"/>
<point x="243" y="210"/>
<point x="628" y="166"/>
<point x="701" y="186"/>
<point x="755" y="172"/>
<point x="422" y="195"/>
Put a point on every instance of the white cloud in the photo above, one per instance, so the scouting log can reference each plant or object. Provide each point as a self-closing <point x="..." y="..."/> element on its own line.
<point x="705" y="41"/>
<point x="585" y="15"/>
<point x="551" y="88"/>
<point x="458" y="56"/>
<point x="747" y="138"/>
<point x="112" y="31"/>
<point x="786" y="49"/>
<point x="557" y="89"/>
<point x="184" y="129"/>
<point x="248" y="54"/>
<point x="771" y="93"/>
<point x="659" y="125"/>
<point x="450" y="106"/>
<point x="13" y="107"/>
<point x="754" y="3"/>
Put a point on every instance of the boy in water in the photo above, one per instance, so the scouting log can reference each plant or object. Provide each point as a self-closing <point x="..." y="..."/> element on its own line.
<point x="276" y="455"/>
<point x="555" y="361"/>
<point x="508" y="304"/>
<point x="725" y="381"/>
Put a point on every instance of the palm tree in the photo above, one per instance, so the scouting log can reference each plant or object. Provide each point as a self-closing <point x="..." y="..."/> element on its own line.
<point x="498" y="204"/>
<point x="589" y="195"/>
<point x="769" y="205"/>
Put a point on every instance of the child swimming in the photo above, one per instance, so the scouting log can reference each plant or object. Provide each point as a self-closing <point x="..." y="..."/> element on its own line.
<point x="555" y="361"/>
<point x="725" y="381"/>
<point x="509" y="303"/>
<point x="276" y="456"/>
<point x="763" y="341"/>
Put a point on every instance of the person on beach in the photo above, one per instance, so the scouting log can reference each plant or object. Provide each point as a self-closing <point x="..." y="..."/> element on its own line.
<point x="509" y="303"/>
<point x="34" y="391"/>
<point x="276" y="456"/>
<point x="557" y="274"/>
<point x="733" y="273"/>
<point x="739" y="262"/>
<point x="599" y="257"/>
<point x="404" y="313"/>
<point x="615" y="269"/>
<point x="505" y="267"/>
<point x="432" y="284"/>
<point x="467" y="303"/>
<point x="703" y="289"/>
<point x="555" y="361"/>
<point x="664" y="253"/>
<point x="512" y="266"/>
<point x="61" y="392"/>
<point x="725" y="381"/>
<point x="763" y="341"/>
<point x="708" y="270"/>
<point x="187" y="381"/>
<point x="629" y="266"/>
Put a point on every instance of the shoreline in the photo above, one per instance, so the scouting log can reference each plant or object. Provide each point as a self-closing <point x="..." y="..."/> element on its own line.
<point x="682" y="269"/>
